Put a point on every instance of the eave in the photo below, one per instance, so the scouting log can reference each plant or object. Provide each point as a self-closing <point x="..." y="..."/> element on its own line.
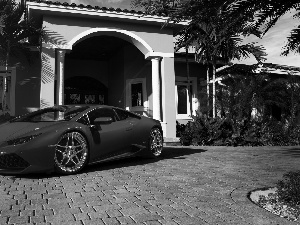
<point x="38" y="9"/>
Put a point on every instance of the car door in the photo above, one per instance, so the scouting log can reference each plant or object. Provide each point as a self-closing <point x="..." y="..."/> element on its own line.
<point x="113" y="137"/>
<point x="132" y="123"/>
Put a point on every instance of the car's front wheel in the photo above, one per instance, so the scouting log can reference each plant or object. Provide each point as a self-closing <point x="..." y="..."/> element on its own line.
<point x="71" y="153"/>
<point x="155" y="144"/>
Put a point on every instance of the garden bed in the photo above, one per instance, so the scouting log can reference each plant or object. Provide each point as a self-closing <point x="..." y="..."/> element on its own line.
<point x="267" y="198"/>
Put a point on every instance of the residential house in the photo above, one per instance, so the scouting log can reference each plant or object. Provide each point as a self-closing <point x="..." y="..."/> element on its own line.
<point x="104" y="56"/>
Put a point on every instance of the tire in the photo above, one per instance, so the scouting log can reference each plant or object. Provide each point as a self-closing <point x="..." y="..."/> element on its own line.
<point x="71" y="153"/>
<point x="155" y="144"/>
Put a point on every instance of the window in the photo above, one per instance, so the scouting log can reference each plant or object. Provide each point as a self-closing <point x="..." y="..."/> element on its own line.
<point x="183" y="101"/>
<point x="101" y="112"/>
<point x="136" y="95"/>
<point x="51" y="114"/>
<point x="123" y="115"/>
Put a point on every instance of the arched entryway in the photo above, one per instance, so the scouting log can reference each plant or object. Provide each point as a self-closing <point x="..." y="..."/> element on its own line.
<point x="122" y="61"/>
<point x="105" y="60"/>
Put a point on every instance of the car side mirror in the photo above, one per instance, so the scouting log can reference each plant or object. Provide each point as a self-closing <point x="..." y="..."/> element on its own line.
<point x="100" y="121"/>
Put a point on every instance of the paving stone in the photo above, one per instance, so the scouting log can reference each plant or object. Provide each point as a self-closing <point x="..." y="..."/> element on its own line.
<point x="152" y="222"/>
<point x="125" y="220"/>
<point x="139" y="218"/>
<point x="81" y="216"/>
<point x="37" y="219"/>
<point x="19" y="219"/>
<point x="93" y="222"/>
<point x="27" y="212"/>
<point x="73" y="211"/>
<point x="188" y="185"/>
<point x="110" y="221"/>
<point x="133" y="211"/>
<point x="60" y="218"/>
<point x="4" y="219"/>
<point x="98" y="214"/>
<point x="44" y="212"/>
<point x="113" y="213"/>
<point x="66" y="223"/>
<point x="106" y="207"/>
<point x="10" y="213"/>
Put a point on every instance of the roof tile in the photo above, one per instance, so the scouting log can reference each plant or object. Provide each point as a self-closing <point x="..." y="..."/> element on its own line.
<point x="65" y="4"/>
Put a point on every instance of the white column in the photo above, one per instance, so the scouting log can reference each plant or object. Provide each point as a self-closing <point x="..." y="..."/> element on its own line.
<point x="60" y="66"/>
<point x="168" y="98"/>
<point x="156" y="88"/>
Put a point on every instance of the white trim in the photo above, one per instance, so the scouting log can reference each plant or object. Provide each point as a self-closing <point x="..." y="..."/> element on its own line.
<point x="151" y="55"/>
<point x="99" y="12"/>
<point x="103" y="29"/>
<point x="145" y="107"/>
<point x="193" y="82"/>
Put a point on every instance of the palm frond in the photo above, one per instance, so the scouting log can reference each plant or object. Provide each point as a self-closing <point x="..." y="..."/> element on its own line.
<point x="293" y="42"/>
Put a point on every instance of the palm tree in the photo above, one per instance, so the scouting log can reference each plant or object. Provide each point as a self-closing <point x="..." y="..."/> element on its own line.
<point x="214" y="29"/>
<point x="15" y="31"/>
<point x="267" y="13"/>
<point x="156" y="6"/>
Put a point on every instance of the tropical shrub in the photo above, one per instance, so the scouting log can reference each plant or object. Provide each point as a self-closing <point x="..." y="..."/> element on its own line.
<point x="206" y="131"/>
<point x="288" y="189"/>
<point x="239" y="132"/>
<point x="179" y="128"/>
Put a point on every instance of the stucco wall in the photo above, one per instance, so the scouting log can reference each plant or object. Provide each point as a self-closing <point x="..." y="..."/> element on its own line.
<point x="128" y="63"/>
<point x="28" y="83"/>
<point x="61" y="30"/>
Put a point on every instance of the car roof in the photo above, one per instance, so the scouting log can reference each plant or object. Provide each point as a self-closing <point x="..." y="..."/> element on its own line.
<point x="93" y="106"/>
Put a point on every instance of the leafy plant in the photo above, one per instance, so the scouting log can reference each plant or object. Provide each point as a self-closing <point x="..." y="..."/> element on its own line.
<point x="16" y="33"/>
<point x="206" y="131"/>
<point x="179" y="129"/>
<point x="238" y="132"/>
<point x="289" y="188"/>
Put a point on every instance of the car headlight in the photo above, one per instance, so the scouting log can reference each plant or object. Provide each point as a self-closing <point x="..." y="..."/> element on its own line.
<point x="22" y="140"/>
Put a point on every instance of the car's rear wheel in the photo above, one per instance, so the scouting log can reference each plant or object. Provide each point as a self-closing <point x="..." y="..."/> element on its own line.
<point x="155" y="144"/>
<point x="71" y="153"/>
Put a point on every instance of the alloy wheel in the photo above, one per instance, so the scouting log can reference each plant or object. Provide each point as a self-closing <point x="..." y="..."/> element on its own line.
<point x="71" y="153"/>
<point x="156" y="142"/>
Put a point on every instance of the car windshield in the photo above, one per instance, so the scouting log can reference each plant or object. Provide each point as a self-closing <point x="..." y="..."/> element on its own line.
<point x="51" y="114"/>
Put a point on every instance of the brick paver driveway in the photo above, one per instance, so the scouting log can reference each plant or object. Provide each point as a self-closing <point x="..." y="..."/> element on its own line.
<point x="188" y="185"/>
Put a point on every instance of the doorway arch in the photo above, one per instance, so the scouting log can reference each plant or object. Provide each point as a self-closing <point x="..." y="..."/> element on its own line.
<point x="132" y="38"/>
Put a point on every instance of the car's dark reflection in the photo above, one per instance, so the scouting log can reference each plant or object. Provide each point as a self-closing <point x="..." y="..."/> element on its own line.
<point x="168" y="153"/>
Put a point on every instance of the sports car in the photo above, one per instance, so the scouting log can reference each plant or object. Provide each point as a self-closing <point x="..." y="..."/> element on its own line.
<point x="66" y="138"/>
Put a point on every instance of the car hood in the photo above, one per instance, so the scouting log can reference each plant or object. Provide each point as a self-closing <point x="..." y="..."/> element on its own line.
<point x="17" y="129"/>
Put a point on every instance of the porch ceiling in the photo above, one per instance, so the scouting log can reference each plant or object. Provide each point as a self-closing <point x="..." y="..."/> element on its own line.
<point x="97" y="48"/>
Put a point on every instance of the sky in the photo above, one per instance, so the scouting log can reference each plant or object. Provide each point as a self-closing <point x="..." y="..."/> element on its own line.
<point x="273" y="41"/>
